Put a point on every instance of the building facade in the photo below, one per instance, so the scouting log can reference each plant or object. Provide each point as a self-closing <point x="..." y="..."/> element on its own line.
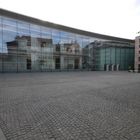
<point x="137" y="53"/>
<point x="28" y="44"/>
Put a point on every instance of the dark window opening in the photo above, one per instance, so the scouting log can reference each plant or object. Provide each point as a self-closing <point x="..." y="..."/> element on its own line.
<point x="43" y="44"/>
<point x="57" y="48"/>
<point x="76" y="66"/>
<point x="139" y="67"/>
<point x="57" y="63"/>
<point x="28" y="64"/>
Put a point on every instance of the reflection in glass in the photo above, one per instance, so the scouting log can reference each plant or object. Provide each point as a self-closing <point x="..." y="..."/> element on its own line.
<point x="29" y="47"/>
<point x="1" y="50"/>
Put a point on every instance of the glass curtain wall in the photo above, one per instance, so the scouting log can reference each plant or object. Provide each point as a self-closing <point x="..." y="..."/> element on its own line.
<point x="57" y="49"/>
<point x="9" y="45"/>
<point x="111" y="55"/>
<point x="29" y="47"/>
<point x="46" y="58"/>
<point x="24" y="46"/>
<point x="1" y="48"/>
<point x="115" y="57"/>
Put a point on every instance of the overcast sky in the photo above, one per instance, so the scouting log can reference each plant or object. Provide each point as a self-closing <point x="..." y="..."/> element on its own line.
<point x="120" y="18"/>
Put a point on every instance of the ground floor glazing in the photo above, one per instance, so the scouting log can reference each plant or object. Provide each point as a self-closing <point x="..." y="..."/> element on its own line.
<point x="27" y="47"/>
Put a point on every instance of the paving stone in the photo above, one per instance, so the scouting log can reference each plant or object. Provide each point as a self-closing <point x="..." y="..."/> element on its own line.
<point x="70" y="106"/>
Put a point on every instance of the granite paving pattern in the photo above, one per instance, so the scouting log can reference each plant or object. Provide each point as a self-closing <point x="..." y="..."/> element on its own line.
<point x="70" y="106"/>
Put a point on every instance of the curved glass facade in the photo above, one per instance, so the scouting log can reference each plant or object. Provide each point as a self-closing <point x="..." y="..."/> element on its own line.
<point x="25" y="46"/>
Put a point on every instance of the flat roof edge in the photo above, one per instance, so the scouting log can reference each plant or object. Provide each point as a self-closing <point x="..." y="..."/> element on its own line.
<point x="18" y="16"/>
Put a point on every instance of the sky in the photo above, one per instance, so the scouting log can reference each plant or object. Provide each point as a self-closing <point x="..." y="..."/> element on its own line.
<point x="120" y="18"/>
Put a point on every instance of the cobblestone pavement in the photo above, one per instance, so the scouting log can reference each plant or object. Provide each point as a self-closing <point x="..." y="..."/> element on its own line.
<point x="70" y="106"/>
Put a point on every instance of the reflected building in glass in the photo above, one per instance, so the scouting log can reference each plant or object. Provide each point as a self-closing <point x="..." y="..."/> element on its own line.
<point x="28" y="44"/>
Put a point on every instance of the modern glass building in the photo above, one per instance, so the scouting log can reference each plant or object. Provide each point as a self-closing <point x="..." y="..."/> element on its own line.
<point x="28" y="44"/>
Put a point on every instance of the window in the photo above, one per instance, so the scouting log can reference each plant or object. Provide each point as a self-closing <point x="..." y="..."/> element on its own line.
<point x="139" y="67"/>
<point x="57" y="63"/>
<point x="43" y="44"/>
<point x="139" y="58"/>
<point x="28" y="64"/>
<point x="57" y="47"/>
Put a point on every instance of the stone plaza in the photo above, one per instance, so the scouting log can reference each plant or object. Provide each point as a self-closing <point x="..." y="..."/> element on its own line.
<point x="70" y="106"/>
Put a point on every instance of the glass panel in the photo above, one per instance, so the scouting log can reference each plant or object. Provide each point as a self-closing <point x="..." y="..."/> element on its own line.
<point x="1" y="51"/>
<point x="55" y="33"/>
<point x="108" y="56"/>
<point x="118" y="56"/>
<point x="46" y="58"/>
<point x="81" y="52"/>
<point x="24" y="46"/>
<point x="85" y="42"/>
<point x="57" y="48"/>
<point x="131" y="57"/>
<point x="86" y="52"/>
<point x="29" y="47"/>
<point x="102" y="58"/>
<point x="46" y="32"/>
<point x="122" y="59"/>
<point x="113" y="56"/>
<point x="9" y="44"/>
<point x="64" y="34"/>
<point x="35" y="31"/>
<point x="72" y="37"/>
